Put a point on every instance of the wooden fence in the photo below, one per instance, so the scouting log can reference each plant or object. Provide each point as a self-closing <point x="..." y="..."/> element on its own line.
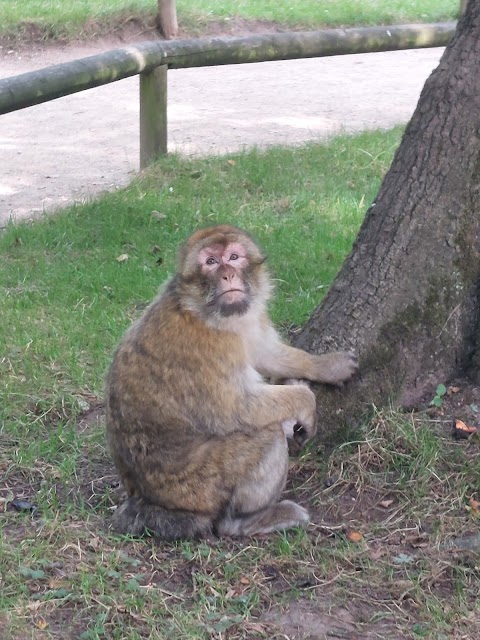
<point x="151" y="60"/>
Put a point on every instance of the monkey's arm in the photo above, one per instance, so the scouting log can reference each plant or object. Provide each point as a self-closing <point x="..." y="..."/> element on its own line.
<point x="277" y="360"/>
<point x="282" y="405"/>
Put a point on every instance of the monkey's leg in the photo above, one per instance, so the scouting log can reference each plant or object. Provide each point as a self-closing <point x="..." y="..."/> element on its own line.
<point x="137" y="517"/>
<point x="254" y="507"/>
<point x="278" y="517"/>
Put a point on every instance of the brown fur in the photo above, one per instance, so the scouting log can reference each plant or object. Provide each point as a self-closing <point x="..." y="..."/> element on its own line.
<point x="197" y="435"/>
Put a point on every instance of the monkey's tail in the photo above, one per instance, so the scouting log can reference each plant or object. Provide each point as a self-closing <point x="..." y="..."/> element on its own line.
<point x="138" y="517"/>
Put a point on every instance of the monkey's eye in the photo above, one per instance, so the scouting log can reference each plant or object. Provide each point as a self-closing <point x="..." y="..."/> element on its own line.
<point x="210" y="260"/>
<point x="234" y="256"/>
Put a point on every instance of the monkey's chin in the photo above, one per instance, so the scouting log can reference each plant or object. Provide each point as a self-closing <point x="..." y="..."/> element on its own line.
<point x="237" y="308"/>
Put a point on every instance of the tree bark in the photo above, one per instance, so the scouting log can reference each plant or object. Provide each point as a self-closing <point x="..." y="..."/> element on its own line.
<point x="407" y="298"/>
<point x="167" y="18"/>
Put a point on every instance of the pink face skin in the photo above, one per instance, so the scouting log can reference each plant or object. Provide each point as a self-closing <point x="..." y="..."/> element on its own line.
<point x="225" y="265"/>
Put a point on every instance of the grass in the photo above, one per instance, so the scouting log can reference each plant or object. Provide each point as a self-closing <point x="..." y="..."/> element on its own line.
<point x="69" y="19"/>
<point x="403" y="484"/>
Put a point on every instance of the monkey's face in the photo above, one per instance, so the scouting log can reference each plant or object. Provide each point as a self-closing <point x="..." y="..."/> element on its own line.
<point x="225" y="271"/>
<point x="222" y="273"/>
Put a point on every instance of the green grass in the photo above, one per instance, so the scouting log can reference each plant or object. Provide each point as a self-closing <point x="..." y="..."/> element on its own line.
<point x="66" y="300"/>
<point x="24" y="19"/>
<point x="61" y="275"/>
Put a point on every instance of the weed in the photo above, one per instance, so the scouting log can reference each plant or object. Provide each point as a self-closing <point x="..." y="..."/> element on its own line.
<point x="440" y="391"/>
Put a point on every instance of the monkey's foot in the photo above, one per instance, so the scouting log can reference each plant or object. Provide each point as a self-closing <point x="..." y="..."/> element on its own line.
<point x="283" y="515"/>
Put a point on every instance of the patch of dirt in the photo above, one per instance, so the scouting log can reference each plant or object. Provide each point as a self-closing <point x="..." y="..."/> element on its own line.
<point x="129" y="29"/>
<point x="297" y="596"/>
<point x="320" y="620"/>
<point x="461" y="401"/>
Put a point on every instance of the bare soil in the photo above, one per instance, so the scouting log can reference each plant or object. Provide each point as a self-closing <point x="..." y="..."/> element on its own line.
<point x="70" y="149"/>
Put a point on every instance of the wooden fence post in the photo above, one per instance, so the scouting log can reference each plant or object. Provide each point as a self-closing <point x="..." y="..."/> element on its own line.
<point x="167" y="18"/>
<point x="153" y="115"/>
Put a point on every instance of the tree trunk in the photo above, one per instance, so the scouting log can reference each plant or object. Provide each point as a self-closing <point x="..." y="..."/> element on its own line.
<point x="167" y="18"/>
<point x="407" y="298"/>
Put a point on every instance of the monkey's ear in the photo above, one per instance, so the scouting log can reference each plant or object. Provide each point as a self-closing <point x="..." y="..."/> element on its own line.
<point x="255" y="256"/>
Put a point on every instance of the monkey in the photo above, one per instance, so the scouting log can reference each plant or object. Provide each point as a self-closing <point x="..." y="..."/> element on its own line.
<point x="197" y="433"/>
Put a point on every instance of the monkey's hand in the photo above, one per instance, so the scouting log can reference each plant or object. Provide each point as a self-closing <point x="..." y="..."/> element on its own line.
<point x="302" y="428"/>
<point x="296" y="436"/>
<point x="335" y="367"/>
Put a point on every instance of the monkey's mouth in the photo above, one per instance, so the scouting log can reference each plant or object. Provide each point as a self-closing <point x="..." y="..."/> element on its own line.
<point x="233" y="302"/>
<point x="231" y="291"/>
<point x="231" y="296"/>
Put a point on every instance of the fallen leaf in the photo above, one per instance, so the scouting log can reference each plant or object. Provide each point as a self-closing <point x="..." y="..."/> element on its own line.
<point x="41" y="623"/>
<point x="462" y="430"/>
<point x="354" y="536"/>
<point x="231" y="162"/>
<point x="386" y="503"/>
<point x="453" y="389"/>
<point x="418" y="541"/>
<point x="244" y="580"/>
<point x="123" y="257"/>
<point x="474" y="505"/>
<point x="56" y="583"/>
<point x="93" y="543"/>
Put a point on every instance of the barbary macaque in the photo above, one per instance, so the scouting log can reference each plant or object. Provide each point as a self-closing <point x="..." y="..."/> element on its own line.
<point x="197" y="434"/>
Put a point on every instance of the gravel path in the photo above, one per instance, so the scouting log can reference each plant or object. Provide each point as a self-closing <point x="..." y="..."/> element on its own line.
<point x="70" y="149"/>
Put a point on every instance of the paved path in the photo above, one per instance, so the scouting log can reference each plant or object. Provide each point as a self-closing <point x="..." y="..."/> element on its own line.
<point x="72" y="148"/>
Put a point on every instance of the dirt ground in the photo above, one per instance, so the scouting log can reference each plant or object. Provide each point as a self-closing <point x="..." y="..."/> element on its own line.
<point x="72" y="148"/>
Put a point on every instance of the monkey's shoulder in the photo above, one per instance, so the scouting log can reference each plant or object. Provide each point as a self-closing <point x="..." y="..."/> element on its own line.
<point x="170" y="333"/>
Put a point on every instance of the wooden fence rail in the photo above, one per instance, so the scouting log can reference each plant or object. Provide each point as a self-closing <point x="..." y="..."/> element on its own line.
<point x="152" y="59"/>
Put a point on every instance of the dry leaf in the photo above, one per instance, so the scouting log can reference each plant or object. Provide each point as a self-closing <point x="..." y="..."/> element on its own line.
<point x="93" y="543"/>
<point x="462" y="430"/>
<point x="386" y="503"/>
<point x="231" y="162"/>
<point x="41" y="623"/>
<point x="354" y="536"/>
<point x="244" y="580"/>
<point x="56" y="583"/>
<point x="474" y="505"/>
<point x="418" y="541"/>
<point x="453" y="389"/>
<point x="123" y="257"/>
